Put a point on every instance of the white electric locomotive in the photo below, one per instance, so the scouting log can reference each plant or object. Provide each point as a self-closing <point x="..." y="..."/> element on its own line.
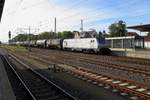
<point x="92" y="45"/>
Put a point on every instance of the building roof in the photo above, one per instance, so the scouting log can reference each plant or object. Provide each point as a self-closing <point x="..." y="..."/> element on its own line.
<point x="1" y="7"/>
<point x="125" y="37"/>
<point x="142" y="28"/>
<point x="116" y="38"/>
<point x="132" y="34"/>
<point x="146" y="38"/>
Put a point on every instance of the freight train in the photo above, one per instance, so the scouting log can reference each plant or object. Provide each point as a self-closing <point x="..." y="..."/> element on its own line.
<point x="86" y="45"/>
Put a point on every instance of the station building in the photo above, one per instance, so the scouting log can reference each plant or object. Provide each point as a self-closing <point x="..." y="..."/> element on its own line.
<point x="143" y="28"/>
<point x="127" y="42"/>
<point x="131" y="45"/>
<point x="147" y="42"/>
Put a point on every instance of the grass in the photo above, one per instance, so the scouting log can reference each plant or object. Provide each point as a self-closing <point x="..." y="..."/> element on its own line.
<point x="16" y="48"/>
<point x="20" y="51"/>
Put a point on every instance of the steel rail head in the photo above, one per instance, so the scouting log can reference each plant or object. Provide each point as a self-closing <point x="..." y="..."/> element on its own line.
<point x="43" y="77"/>
<point x="31" y="94"/>
<point x="119" y="85"/>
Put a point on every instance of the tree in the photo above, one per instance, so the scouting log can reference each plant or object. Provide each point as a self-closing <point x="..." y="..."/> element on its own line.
<point x="117" y="29"/>
<point x="59" y="35"/>
<point x="21" y="37"/>
<point x="43" y="35"/>
<point x="105" y="34"/>
<point x="67" y="34"/>
<point x="47" y="35"/>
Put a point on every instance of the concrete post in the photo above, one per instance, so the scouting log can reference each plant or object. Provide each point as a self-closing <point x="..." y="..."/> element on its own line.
<point x="112" y="43"/>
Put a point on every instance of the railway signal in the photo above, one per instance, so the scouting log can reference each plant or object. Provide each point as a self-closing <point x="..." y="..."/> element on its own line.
<point x="9" y="36"/>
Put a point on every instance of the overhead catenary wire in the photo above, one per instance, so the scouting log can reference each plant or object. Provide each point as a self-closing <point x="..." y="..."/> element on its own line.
<point x="97" y="14"/>
<point x="88" y="18"/>
<point x="33" y="5"/>
<point x="98" y="9"/>
<point x="70" y="7"/>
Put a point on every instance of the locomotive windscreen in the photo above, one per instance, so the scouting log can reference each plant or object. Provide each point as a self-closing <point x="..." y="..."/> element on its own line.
<point x="101" y="38"/>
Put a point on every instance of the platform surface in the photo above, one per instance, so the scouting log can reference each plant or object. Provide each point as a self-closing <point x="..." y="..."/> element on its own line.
<point x="6" y="92"/>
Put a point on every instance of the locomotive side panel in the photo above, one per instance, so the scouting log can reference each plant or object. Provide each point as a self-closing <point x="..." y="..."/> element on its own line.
<point x="81" y="44"/>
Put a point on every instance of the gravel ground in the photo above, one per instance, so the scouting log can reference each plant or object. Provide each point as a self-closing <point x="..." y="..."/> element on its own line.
<point x="72" y="58"/>
<point x="94" y="67"/>
<point x="78" y="87"/>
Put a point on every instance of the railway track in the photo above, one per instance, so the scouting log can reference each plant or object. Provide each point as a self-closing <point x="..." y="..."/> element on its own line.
<point x="126" y="60"/>
<point x="38" y="86"/>
<point x="112" y="65"/>
<point x="105" y="63"/>
<point x="18" y="89"/>
<point x="130" y="60"/>
<point x="53" y="61"/>
<point x="136" y="77"/>
<point x="125" y="86"/>
<point x="113" y="58"/>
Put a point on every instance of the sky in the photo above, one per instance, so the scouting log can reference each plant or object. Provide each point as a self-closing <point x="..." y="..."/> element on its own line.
<point x="38" y="15"/>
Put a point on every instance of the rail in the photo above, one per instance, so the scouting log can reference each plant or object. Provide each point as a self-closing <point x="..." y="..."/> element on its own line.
<point x="33" y="87"/>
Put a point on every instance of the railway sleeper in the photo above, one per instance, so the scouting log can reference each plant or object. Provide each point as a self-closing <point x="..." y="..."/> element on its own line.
<point x="42" y="91"/>
<point x="124" y="86"/>
<point x="37" y="85"/>
<point x="45" y="95"/>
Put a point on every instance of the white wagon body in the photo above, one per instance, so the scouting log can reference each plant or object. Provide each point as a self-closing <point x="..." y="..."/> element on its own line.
<point x="83" y="44"/>
<point x="53" y="43"/>
<point x="25" y="43"/>
<point x="40" y="43"/>
<point x="32" y="42"/>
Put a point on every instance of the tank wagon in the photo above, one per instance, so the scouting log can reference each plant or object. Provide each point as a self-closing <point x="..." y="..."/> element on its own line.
<point x="41" y="43"/>
<point x="25" y="43"/>
<point x="54" y="43"/>
<point x="32" y="43"/>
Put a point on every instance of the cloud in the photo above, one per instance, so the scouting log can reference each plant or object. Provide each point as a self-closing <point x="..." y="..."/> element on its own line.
<point x="98" y="14"/>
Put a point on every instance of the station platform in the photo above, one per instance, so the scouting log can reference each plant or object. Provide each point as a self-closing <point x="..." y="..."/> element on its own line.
<point x="6" y="92"/>
<point x="135" y="53"/>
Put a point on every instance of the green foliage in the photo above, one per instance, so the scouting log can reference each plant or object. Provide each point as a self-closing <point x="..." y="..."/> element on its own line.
<point x="44" y="35"/>
<point x="23" y="37"/>
<point x="117" y="29"/>
<point x="67" y="34"/>
<point x="106" y="35"/>
<point x="20" y="37"/>
<point x="15" y="48"/>
<point x="34" y="37"/>
<point x="59" y="34"/>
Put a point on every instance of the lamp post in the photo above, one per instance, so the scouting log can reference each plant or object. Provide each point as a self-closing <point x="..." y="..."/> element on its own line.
<point x="125" y="40"/>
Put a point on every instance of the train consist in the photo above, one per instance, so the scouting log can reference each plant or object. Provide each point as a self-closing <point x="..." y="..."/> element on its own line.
<point x="88" y="45"/>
